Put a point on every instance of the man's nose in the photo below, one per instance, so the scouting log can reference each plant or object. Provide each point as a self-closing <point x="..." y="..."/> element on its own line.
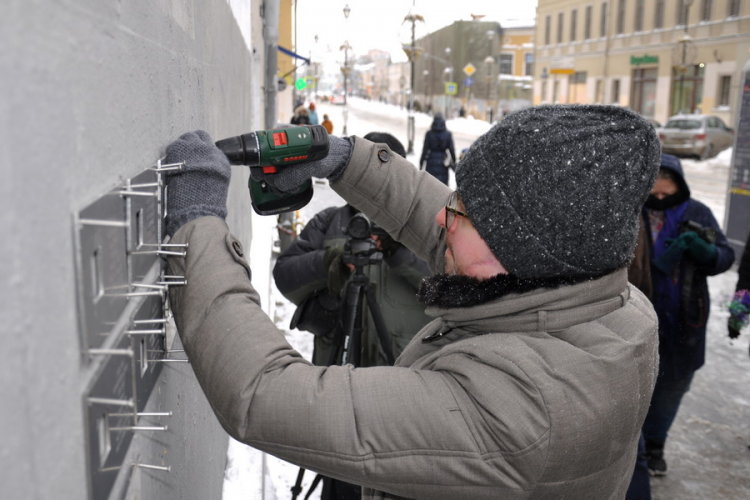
<point x="440" y="217"/>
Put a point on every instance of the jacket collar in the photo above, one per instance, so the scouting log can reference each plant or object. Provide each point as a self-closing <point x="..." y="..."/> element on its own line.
<point x="542" y="309"/>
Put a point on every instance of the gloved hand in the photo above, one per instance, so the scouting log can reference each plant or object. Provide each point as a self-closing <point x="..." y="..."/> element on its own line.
<point x="733" y="333"/>
<point x="338" y="273"/>
<point x="739" y="313"/>
<point x="200" y="189"/>
<point x="699" y="249"/>
<point x="289" y="179"/>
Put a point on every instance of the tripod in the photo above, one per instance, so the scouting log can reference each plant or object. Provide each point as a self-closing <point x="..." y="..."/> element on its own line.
<point x="359" y="253"/>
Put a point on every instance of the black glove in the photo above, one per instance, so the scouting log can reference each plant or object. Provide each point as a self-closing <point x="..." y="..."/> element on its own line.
<point x="733" y="334"/>
<point x="338" y="273"/>
<point x="200" y="189"/>
<point x="289" y="179"/>
<point x="699" y="249"/>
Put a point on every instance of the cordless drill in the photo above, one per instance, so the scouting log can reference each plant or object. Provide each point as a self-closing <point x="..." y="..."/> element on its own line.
<point x="273" y="150"/>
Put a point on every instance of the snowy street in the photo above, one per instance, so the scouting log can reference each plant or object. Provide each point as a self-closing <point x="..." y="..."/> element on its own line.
<point x="707" y="452"/>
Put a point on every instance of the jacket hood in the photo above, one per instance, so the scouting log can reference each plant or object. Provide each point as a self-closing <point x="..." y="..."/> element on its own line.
<point x="673" y="164"/>
<point x="438" y="124"/>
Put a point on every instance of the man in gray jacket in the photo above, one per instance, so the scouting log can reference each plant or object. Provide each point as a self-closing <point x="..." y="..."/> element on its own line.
<point x="533" y="379"/>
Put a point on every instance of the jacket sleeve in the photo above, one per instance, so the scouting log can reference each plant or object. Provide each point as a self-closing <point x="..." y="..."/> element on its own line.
<point x="398" y="197"/>
<point x="451" y="148"/>
<point x="425" y="149"/>
<point x="301" y="270"/>
<point x="389" y="428"/>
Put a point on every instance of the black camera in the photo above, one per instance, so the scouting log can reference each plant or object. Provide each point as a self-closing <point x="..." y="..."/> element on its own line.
<point x="707" y="234"/>
<point x="360" y="231"/>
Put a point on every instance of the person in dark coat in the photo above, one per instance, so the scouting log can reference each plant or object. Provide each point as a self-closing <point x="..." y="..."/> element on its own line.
<point x="438" y="146"/>
<point x="739" y="309"/>
<point x="311" y="273"/>
<point x="686" y="245"/>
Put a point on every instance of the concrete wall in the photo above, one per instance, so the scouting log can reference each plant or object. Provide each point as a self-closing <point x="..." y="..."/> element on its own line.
<point x="91" y="92"/>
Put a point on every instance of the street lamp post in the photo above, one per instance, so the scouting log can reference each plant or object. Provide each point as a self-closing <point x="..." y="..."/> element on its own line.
<point x="345" y="71"/>
<point x="684" y="55"/>
<point x="412" y="52"/>
<point x="449" y="73"/>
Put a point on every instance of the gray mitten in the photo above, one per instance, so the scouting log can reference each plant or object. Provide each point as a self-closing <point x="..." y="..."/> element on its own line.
<point x="200" y="189"/>
<point x="289" y="179"/>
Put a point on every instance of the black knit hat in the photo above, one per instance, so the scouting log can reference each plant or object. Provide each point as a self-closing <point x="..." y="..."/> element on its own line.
<point x="556" y="190"/>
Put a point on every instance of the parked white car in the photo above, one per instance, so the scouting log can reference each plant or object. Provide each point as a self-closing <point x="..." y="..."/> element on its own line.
<point x="703" y="136"/>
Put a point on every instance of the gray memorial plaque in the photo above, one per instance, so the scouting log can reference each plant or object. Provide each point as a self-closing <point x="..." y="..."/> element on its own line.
<point x="144" y="221"/>
<point x="147" y="347"/>
<point x="101" y="264"/>
<point x="110" y="419"/>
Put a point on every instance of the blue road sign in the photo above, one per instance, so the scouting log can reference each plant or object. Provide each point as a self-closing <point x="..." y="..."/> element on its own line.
<point x="468" y="81"/>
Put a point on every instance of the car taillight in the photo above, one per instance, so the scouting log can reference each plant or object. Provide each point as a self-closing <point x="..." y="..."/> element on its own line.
<point x="662" y="136"/>
<point x="700" y="137"/>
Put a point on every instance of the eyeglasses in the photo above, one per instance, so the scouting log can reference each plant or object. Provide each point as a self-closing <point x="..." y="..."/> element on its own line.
<point x="451" y="211"/>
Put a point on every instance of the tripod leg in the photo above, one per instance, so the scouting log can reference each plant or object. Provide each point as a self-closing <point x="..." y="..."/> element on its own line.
<point x="352" y="305"/>
<point x="377" y="318"/>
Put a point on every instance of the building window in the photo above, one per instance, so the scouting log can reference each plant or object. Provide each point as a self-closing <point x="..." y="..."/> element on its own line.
<point x="687" y="90"/>
<point x="621" y="4"/>
<point x="506" y="64"/>
<point x="638" y="24"/>
<point x="659" y="15"/>
<point x="615" y="92"/>
<point x="599" y="91"/>
<point x="587" y="25"/>
<point x="573" y="20"/>
<point x="528" y="60"/>
<point x="706" y="10"/>
<point x="547" y="27"/>
<point x="681" y="13"/>
<point x="560" y="19"/>
<point x="556" y="91"/>
<point x="603" y="21"/>
<point x="725" y="83"/>
<point x="734" y="8"/>
<point x="544" y="90"/>
<point x="643" y="99"/>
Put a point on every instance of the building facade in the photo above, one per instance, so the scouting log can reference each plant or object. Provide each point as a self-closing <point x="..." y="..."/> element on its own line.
<point x="658" y="57"/>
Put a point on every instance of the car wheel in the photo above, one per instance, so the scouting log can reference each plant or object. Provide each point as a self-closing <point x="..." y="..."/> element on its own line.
<point x="708" y="152"/>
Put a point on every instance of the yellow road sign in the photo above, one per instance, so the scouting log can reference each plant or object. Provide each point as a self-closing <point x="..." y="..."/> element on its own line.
<point x="469" y="69"/>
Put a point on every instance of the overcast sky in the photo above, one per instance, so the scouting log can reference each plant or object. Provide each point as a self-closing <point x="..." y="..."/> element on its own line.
<point x="378" y="24"/>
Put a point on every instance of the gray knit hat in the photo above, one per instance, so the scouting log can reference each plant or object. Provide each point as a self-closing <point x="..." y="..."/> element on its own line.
<point x="557" y="190"/>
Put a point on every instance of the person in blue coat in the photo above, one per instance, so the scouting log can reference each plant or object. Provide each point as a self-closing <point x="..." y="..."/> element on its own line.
<point x="686" y="246"/>
<point x="438" y="146"/>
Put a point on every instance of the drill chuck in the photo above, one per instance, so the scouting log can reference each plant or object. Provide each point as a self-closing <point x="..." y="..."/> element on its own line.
<point x="242" y="149"/>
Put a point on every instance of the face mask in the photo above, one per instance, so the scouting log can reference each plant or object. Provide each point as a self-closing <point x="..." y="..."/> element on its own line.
<point x="655" y="203"/>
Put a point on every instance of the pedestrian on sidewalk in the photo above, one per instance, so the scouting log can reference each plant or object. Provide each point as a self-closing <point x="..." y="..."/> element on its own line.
<point x="313" y="114"/>
<point x="438" y="153"/>
<point x="328" y="124"/>
<point x="534" y="377"/>
<point x="686" y="246"/>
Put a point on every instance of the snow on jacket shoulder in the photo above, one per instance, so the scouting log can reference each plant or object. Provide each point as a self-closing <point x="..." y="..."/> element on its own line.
<point x="536" y="395"/>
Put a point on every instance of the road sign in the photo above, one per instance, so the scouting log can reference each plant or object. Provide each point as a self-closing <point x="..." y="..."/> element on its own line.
<point x="468" y="81"/>
<point x="300" y="84"/>
<point x="451" y="88"/>
<point x="310" y="81"/>
<point x="469" y="69"/>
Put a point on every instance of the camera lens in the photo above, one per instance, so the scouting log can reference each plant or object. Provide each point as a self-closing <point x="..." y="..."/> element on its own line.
<point x="359" y="226"/>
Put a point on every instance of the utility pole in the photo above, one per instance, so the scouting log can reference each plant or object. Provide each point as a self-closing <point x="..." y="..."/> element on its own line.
<point x="413" y="53"/>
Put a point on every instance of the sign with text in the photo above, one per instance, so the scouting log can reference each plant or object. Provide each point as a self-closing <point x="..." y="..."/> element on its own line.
<point x="644" y="59"/>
